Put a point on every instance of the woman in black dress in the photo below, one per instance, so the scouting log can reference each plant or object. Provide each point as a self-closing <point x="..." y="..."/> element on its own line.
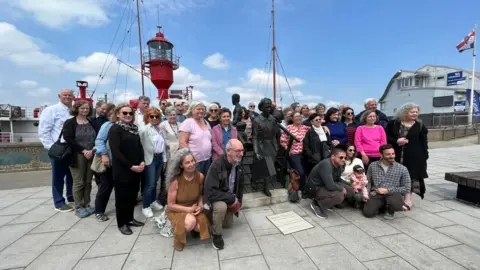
<point x="127" y="164"/>
<point x="408" y="135"/>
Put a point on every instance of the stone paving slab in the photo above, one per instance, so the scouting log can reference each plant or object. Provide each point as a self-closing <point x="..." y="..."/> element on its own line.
<point x="438" y="233"/>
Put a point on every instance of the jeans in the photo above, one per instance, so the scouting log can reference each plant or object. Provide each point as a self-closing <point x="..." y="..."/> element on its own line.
<point x="151" y="175"/>
<point x="377" y="201"/>
<point x="105" y="187"/>
<point x="296" y="161"/>
<point x="61" y="175"/>
<point x="327" y="199"/>
<point x="203" y="166"/>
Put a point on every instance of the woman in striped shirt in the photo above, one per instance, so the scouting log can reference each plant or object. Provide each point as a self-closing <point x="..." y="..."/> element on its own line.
<point x="295" y="156"/>
<point x="348" y="118"/>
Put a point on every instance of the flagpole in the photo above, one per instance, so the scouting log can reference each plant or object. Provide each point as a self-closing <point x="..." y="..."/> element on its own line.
<point x="470" y="109"/>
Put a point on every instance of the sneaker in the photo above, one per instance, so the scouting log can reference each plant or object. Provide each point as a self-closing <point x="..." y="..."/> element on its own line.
<point x="101" y="217"/>
<point x="217" y="242"/>
<point x="90" y="210"/>
<point x="156" y="206"/>
<point x="318" y="211"/>
<point x="147" y="212"/>
<point x="389" y="214"/>
<point x="81" y="213"/>
<point x="64" y="208"/>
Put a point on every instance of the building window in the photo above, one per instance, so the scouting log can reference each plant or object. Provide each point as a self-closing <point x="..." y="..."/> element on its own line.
<point x="440" y="77"/>
<point x="382" y="106"/>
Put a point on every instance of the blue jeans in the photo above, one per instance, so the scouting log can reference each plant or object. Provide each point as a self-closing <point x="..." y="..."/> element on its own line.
<point x="61" y="175"/>
<point x="151" y="175"/>
<point x="203" y="166"/>
<point x="296" y="161"/>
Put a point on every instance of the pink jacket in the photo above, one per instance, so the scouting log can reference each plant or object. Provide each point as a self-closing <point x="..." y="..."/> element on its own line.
<point x="358" y="184"/>
<point x="217" y="140"/>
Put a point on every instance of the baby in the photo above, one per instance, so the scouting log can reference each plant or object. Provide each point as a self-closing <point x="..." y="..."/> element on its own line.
<point x="358" y="179"/>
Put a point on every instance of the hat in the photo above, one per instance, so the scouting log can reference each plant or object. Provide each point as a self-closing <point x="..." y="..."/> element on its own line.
<point x="358" y="168"/>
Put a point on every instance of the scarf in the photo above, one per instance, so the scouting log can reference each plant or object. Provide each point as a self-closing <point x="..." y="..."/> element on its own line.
<point x="132" y="128"/>
<point x="321" y="133"/>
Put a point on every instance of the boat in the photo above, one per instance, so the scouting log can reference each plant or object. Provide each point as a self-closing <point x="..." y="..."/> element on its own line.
<point x="19" y="124"/>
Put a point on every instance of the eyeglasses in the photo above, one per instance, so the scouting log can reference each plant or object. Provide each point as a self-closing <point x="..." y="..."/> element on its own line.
<point x="351" y="150"/>
<point x="127" y="113"/>
<point x="317" y="120"/>
<point x="154" y="116"/>
<point x="251" y="106"/>
<point x="213" y="110"/>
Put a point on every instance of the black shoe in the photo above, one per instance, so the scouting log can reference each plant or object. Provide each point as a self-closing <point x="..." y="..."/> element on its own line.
<point x="304" y="195"/>
<point x="125" y="230"/>
<point x="101" y="217"/>
<point x="390" y="213"/>
<point x="267" y="192"/>
<point x="195" y="234"/>
<point x="318" y="211"/>
<point x="136" y="223"/>
<point x="217" y="242"/>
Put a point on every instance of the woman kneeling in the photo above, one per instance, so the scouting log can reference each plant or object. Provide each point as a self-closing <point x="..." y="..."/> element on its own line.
<point x="185" y="200"/>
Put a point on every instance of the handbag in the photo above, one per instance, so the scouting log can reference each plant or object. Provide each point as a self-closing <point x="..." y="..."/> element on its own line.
<point x="97" y="164"/>
<point x="59" y="150"/>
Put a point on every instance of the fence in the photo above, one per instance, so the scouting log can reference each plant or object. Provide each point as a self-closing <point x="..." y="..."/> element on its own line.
<point x="453" y="120"/>
<point x="7" y="137"/>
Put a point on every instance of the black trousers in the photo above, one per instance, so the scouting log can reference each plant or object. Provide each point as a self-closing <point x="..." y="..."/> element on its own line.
<point x="126" y="199"/>
<point x="377" y="201"/>
<point x="105" y="187"/>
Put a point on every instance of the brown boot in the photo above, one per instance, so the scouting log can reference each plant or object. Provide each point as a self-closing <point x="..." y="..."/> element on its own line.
<point x="178" y="245"/>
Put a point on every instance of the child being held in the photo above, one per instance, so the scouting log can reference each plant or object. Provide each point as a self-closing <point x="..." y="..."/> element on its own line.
<point x="359" y="181"/>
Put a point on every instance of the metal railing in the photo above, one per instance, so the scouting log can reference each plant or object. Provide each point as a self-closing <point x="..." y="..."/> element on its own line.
<point x="158" y="55"/>
<point x="454" y="120"/>
<point x="8" y="137"/>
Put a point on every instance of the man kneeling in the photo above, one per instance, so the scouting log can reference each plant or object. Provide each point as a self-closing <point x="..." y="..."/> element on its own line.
<point x="223" y="190"/>
<point x="388" y="181"/>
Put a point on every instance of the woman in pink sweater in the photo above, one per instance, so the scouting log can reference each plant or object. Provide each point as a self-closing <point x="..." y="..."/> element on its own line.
<point x="369" y="137"/>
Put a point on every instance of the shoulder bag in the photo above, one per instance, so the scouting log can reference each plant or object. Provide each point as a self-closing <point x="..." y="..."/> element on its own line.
<point x="59" y="150"/>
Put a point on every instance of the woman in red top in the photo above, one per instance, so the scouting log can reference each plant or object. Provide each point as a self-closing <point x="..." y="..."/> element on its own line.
<point x="295" y="156"/>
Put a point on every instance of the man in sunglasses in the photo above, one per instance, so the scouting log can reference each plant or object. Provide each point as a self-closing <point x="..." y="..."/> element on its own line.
<point x="325" y="184"/>
<point x="251" y="109"/>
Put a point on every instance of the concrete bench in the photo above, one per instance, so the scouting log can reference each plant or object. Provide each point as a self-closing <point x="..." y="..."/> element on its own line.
<point x="468" y="185"/>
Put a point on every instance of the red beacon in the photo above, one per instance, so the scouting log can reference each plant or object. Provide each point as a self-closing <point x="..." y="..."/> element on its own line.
<point x="82" y="89"/>
<point x="160" y="62"/>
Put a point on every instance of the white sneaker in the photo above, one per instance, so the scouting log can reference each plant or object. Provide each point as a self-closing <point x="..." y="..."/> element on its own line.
<point x="147" y="212"/>
<point x="156" y="206"/>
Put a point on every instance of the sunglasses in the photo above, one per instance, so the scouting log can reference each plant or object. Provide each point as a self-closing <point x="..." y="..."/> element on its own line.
<point x="252" y="106"/>
<point x="351" y="150"/>
<point x="342" y="157"/>
<point x="317" y="120"/>
<point x="163" y="104"/>
<point x="154" y="116"/>
<point x="349" y="113"/>
<point x="213" y="110"/>
<point x="127" y="113"/>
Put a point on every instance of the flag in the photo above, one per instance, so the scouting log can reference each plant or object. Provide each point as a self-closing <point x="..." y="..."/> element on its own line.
<point x="467" y="43"/>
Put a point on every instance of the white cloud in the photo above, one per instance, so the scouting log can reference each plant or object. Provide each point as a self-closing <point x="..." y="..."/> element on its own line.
<point x="39" y="92"/>
<point x="20" y="49"/>
<point x="216" y="61"/>
<point x="124" y="96"/>
<point x="183" y="77"/>
<point x="92" y="80"/>
<point x="197" y="95"/>
<point x="56" y="14"/>
<point x="257" y="77"/>
<point x="27" y="84"/>
<point x="246" y="94"/>
<point x="169" y="6"/>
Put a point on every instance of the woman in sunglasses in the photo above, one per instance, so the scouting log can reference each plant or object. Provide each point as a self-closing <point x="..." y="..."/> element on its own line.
<point x="348" y="118"/>
<point x="127" y="165"/>
<point x="316" y="144"/>
<point x="155" y="156"/>
<point x="212" y="115"/>
<point x="350" y="161"/>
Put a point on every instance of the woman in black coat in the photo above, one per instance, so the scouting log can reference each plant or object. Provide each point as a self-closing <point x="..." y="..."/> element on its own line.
<point x="408" y="136"/>
<point x="316" y="143"/>
<point x="127" y="165"/>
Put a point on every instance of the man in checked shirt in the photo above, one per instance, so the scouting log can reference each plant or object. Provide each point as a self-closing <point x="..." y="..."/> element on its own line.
<point x="388" y="182"/>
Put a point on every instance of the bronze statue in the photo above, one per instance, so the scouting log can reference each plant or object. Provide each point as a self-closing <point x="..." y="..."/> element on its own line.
<point x="265" y="131"/>
<point x="237" y="111"/>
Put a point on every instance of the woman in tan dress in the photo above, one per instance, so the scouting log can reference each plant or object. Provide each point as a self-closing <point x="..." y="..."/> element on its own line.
<point x="185" y="200"/>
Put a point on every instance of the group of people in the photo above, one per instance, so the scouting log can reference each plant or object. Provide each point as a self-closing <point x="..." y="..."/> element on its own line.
<point x="194" y="153"/>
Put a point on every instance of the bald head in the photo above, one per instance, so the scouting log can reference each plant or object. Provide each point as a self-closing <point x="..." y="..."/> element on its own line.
<point x="66" y="97"/>
<point x="234" y="151"/>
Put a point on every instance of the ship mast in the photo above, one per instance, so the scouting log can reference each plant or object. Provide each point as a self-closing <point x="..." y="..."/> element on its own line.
<point x="140" y="42"/>
<point x="274" y="54"/>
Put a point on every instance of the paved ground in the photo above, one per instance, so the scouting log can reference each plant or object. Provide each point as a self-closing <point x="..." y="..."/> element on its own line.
<point x="439" y="233"/>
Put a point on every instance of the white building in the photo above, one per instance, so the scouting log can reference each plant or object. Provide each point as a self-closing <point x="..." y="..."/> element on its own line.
<point x="438" y="90"/>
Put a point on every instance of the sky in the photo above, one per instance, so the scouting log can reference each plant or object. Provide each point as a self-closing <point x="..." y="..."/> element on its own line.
<point x="332" y="52"/>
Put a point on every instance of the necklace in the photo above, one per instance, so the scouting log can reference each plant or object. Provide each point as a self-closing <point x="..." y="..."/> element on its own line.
<point x="187" y="178"/>
<point x="175" y="130"/>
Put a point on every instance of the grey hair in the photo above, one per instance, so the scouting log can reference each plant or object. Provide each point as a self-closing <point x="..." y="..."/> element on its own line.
<point x="402" y="112"/>
<point x="170" y="109"/>
<point x="363" y="118"/>
<point x="229" y="145"/>
<point x="147" y="99"/>
<point x="368" y="100"/>
<point x="213" y="105"/>
<point x="174" y="168"/>
<point x="193" y="105"/>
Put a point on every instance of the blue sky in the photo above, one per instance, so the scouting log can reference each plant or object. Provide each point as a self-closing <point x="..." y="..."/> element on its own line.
<point x="332" y="51"/>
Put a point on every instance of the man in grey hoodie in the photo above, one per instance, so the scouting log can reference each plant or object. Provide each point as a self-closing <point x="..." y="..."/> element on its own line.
<point x="329" y="190"/>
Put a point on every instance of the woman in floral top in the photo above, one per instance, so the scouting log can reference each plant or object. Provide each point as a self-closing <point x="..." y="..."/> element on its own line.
<point x="296" y="149"/>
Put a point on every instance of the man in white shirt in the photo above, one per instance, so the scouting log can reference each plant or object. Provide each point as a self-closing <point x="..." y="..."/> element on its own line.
<point x="49" y="129"/>
<point x="142" y="107"/>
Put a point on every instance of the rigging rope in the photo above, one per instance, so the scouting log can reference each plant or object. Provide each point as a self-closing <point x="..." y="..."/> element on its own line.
<point x="285" y="75"/>
<point x="100" y="77"/>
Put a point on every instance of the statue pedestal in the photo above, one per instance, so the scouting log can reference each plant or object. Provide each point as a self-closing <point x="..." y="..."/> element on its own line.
<point x="258" y="199"/>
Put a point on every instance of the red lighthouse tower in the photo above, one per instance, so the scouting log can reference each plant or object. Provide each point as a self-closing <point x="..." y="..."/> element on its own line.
<point x="160" y="62"/>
